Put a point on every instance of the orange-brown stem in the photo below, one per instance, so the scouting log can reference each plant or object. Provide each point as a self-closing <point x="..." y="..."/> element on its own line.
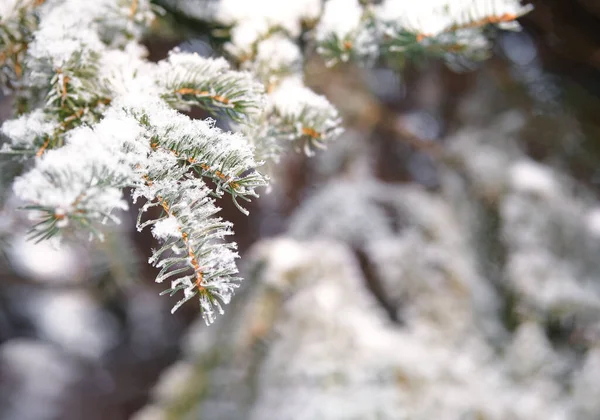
<point x="78" y="199"/>
<point x="310" y="132"/>
<point x="63" y="95"/>
<point x="184" y="236"/>
<point x="197" y="92"/>
<point x="43" y="148"/>
<point x="133" y="8"/>
<point x="204" y="166"/>
<point x="506" y="17"/>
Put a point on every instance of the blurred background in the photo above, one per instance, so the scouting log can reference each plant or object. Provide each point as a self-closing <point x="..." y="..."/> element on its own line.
<point x="441" y="260"/>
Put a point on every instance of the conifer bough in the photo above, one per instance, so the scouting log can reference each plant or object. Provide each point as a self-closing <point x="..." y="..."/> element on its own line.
<point x="93" y="116"/>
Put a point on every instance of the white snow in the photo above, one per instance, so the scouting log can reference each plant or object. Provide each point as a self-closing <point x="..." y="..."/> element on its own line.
<point x="531" y="177"/>
<point x="340" y="17"/>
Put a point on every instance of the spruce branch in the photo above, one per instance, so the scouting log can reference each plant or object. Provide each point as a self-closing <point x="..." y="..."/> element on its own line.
<point x="398" y="31"/>
<point x="18" y="21"/>
<point x="75" y="95"/>
<point x="190" y="80"/>
<point x="300" y="116"/>
<point x="268" y="47"/>
<point x="193" y="256"/>
<point x="80" y="184"/>
<point x="197" y="146"/>
<point x="149" y="147"/>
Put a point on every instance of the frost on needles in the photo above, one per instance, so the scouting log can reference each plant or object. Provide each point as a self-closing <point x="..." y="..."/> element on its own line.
<point x="93" y="116"/>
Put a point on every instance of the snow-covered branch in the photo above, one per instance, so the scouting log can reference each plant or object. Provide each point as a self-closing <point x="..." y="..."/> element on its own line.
<point x="94" y="116"/>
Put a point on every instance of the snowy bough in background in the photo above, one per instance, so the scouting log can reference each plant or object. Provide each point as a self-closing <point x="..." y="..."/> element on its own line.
<point x="94" y="116"/>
